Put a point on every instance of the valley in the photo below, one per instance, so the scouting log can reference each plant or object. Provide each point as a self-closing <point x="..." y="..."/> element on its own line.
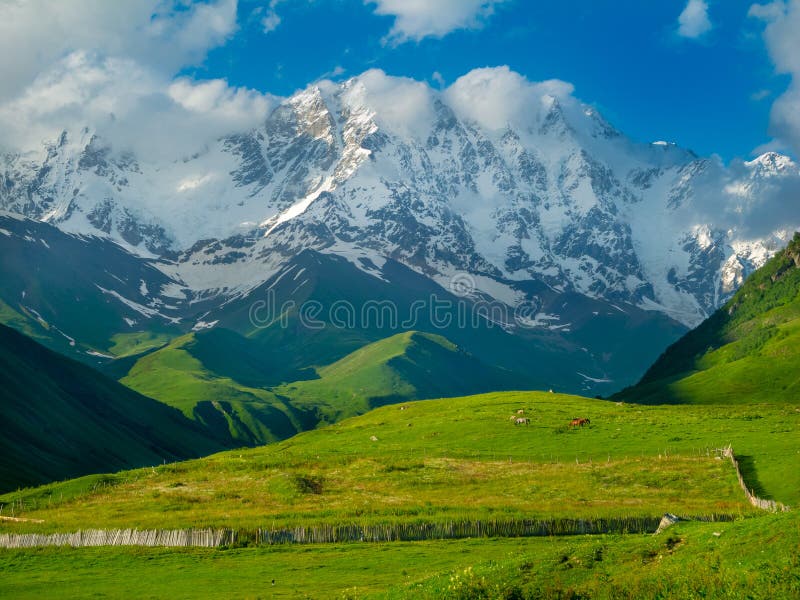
<point x="355" y="299"/>
<point x="496" y="466"/>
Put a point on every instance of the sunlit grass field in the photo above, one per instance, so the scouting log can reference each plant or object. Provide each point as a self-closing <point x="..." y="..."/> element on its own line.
<point x="449" y="460"/>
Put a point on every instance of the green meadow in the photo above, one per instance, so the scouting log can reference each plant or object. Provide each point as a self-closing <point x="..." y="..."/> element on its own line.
<point x="453" y="459"/>
<point x="753" y="558"/>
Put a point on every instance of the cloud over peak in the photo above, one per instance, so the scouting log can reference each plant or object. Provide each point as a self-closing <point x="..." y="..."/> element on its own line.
<point x="782" y="19"/>
<point x="496" y="97"/>
<point x="131" y="106"/>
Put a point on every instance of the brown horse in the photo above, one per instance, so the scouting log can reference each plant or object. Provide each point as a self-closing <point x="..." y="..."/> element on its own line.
<point x="579" y="422"/>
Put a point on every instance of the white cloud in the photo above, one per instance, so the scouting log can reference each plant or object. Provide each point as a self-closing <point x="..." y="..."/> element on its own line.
<point x="418" y="19"/>
<point x="162" y="34"/>
<point x="782" y="20"/>
<point x="693" y="22"/>
<point x="730" y="199"/>
<point x="215" y="98"/>
<point x="271" y="19"/>
<point x="496" y="97"/>
<point x="400" y="104"/>
<point x="131" y="106"/>
<point x="760" y="95"/>
<point x="110" y="66"/>
<point x="491" y="97"/>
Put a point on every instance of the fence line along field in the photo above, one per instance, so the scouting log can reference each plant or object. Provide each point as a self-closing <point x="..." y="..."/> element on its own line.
<point x="337" y="534"/>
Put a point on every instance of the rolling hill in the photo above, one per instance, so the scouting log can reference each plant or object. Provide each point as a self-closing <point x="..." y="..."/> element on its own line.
<point x="62" y="419"/>
<point x="223" y="381"/>
<point x="746" y="352"/>
<point x="406" y="366"/>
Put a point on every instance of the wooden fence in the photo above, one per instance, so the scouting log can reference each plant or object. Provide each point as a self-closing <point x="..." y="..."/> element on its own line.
<point x="329" y="534"/>
<point x="205" y="538"/>
<point x="770" y="505"/>
<point x="406" y="532"/>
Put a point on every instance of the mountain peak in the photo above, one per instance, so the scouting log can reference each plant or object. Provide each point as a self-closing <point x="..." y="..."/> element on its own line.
<point x="547" y="191"/>
<point x="773" y="163"/>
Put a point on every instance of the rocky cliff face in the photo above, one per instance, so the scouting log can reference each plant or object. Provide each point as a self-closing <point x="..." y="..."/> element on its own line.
<point x="560" y="198"/>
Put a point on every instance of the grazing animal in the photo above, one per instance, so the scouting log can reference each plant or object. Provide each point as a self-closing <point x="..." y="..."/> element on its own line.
<point x="521" y="411"/>
<point x="579" y="422"/>
<point x="522" y="421"/>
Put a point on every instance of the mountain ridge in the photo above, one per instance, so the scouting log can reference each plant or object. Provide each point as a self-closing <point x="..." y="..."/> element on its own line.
<point x="550" y="214"/>
<point x="571" y="201"/>
<point x="744" y="352"/>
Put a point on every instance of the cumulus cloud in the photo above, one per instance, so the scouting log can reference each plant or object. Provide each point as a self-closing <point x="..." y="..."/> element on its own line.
<point x="215" y="98"/>
<point x="418" y="19"/>
<point x="693" y="22"/>
<point x="490" y="97"/>
<point x="782" y="19"/>
<point x="132" y="107"/>
<point x="110" y="66"/>
<point x="498" y="97"/>
<point x="400" y="104"/>
<point x="162" y="34"/>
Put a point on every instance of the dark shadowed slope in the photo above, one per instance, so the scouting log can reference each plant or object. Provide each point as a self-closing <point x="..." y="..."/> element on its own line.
<point x="62" y="419"/>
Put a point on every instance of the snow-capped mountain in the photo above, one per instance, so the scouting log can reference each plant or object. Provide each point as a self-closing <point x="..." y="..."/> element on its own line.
<point x="556" y="196"/>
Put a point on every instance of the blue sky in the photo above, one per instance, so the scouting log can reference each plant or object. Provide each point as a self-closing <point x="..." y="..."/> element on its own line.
<point x="712" y="93"/>
<point x="716" y="76"/>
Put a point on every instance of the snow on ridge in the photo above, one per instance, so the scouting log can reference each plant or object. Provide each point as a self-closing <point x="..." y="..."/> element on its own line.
<point x="142" y="310"/>
<point x="563" y="199"/>
<point x="298" y="207"/>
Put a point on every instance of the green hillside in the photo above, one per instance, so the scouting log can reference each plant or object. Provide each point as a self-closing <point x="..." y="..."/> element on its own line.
<point x="63" y="291"/>
<point x="224" y="381"/>
<point x="406" y="366"/>
<point x="62" y="419"/>
<point x="748" y="351"/>
<point x="753" y="559"/>
<point x="459" y="458"/>
<point x="234" y="413"/>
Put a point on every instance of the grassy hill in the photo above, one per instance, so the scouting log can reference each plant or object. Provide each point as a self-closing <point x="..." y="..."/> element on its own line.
<point x="610" y="345"/>
<point x="441" y="461"/>
<point x="748" y="351"/>
<point x="224" y="381"/>
<point x="437" y="462"/>
<point x="406" y="366"/>
<point x="450" y="459"/>
<point x="234" y="413"/>
<point x="756" y="558"/>
<point x="62" y="419"/>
